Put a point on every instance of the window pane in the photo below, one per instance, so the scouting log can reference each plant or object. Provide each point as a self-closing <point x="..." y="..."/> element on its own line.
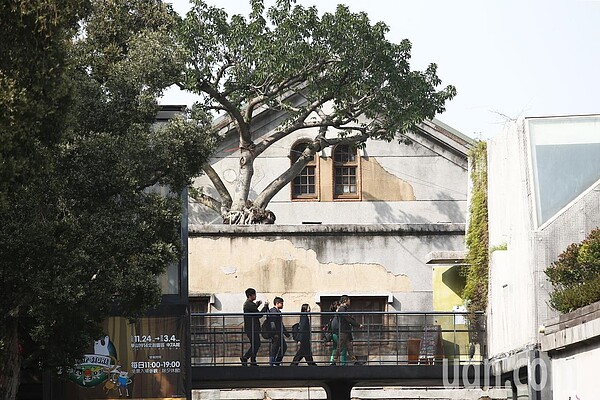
<point x="566" y="160"/>
<point x="344" y="174"/>
<point x="304" y="185"/>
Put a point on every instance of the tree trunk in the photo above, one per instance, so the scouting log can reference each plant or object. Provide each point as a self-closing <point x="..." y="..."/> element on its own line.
<point x="286" y="177"/>
<point x="11" y="368"/>
<point x="242" y="185"/>
<point x="243" y="211"/>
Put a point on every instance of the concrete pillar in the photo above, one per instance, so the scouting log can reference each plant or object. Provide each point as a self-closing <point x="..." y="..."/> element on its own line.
<point x="339" y="389"/>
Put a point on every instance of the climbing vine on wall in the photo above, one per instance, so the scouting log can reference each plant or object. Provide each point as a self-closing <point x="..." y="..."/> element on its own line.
<point x="476" y="287"/>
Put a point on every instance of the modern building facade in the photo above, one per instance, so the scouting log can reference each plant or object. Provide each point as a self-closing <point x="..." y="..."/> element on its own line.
<point x="543" y="194"/>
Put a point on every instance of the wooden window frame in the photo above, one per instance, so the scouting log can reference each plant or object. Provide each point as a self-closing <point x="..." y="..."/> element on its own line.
<point x="346" y="164"/>
<point x="311" y="164"/>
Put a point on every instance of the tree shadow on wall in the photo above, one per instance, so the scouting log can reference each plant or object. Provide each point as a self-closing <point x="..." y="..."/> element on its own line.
<point x="385" y="214"/>
<point x="450" y="208"/>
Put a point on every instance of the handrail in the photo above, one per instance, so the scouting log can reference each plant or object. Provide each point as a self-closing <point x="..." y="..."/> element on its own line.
<point x="394" y="337"/>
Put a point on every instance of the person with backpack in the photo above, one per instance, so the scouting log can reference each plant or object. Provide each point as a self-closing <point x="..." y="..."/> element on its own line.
<point x="334" y="327"/>
<point x="278" y="344"/>
<point x="252" y="326"/>
<point x="346" y="322"/>
<point x="301" y="333"/>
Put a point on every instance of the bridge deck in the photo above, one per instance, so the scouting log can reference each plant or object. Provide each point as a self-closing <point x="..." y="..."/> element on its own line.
<point x="397" y="349"/>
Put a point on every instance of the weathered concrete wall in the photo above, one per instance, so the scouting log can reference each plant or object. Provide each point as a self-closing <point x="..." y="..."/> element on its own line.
<point x="300" y="263"/>
<point x="518" y="288"/>
<point x="422" y="182"/>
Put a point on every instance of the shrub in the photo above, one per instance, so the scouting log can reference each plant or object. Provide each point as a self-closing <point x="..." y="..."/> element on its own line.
<point x="575" y="275"/>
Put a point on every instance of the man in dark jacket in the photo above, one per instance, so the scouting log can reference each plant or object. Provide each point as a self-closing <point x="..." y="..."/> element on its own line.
<point x="346" y="322"/>
<point x="278" y="344"/>
<point x="252" y="325"/>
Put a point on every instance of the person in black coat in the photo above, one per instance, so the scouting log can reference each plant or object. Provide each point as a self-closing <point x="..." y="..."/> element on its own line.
<point x="345" y="336"/>
<point x="278" y="344"/>
<point x="252" y="326"/>
<point x="304" y="339"/>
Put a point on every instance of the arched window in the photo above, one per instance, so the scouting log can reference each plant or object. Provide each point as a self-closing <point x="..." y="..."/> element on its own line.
<point x="304" y="186"/>
<point x="345" y="169"/>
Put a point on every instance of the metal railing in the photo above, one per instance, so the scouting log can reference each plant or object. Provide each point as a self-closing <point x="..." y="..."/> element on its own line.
<point x="386" y="338"/>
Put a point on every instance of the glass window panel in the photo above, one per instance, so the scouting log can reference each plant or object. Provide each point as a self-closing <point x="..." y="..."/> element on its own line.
<point x="344" y="174"/>
<point x="566" y="160"/>
<point x="304" y="185"/>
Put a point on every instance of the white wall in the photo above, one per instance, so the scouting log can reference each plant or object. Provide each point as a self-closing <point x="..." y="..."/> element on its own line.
<point x="518" y="288"/>
<point x="511" y="316"/>
<point x="574" y="373"/>
<point x="437" y="176"/>
<point x="511" y="324"/>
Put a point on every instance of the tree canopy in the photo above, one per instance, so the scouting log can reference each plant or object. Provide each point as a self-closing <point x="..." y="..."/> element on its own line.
<point x="335" y="73"/>
<point x="86" y="226"/>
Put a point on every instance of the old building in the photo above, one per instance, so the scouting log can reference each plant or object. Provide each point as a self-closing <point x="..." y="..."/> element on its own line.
<point x="362" y="222"/>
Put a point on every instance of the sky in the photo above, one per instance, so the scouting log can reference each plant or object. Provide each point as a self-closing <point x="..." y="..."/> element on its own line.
<point x="507" y="58"/>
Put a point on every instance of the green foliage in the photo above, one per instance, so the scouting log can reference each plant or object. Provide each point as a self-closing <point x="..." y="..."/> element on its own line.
<point x="326" y="72"/>
<point x="89" y="230"/>
<point x="476" y="287"/>
<point x="575" y="276"/>
<point x="502" y="246"/>
<point x="33" y="90"/>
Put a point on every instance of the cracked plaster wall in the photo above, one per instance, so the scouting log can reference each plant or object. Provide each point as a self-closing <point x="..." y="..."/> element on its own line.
<point x="300" y="267"/>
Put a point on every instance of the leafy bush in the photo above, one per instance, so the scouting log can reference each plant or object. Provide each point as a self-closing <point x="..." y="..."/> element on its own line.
<point x="576" y="274"/>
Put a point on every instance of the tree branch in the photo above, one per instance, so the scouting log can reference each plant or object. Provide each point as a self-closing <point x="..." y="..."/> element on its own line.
<point x="297" y="124"/>
<point x="278" y="183"/>
<point x="206" y="200"/>
<point x="221" y="72"/>
<point x="232" y="110"/>
<point x="219" y="186"/>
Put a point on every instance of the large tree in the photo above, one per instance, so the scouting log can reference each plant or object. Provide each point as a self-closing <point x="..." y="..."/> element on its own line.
<point x="334" y="73"/>
<point x="86" y="228"/>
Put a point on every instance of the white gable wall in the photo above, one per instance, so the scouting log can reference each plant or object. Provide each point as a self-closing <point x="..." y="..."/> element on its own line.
<point x="437" y="177"/>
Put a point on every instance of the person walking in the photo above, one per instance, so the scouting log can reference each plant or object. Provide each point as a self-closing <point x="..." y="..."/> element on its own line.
<point x="334" y="326"/>
<point x="278" y="344"/>
<point x="346" y="322"/>
<point x="304" y="341"/>
<point x="252" y="317"/>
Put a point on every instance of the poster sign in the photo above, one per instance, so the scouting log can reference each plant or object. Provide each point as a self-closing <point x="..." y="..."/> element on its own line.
<point x="141" y="360"/>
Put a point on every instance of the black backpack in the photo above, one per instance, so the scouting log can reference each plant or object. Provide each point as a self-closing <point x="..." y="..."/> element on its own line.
<point x="327" y="332"/>
<point x="267" y="329"/>
<point x="296" y="332"/>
